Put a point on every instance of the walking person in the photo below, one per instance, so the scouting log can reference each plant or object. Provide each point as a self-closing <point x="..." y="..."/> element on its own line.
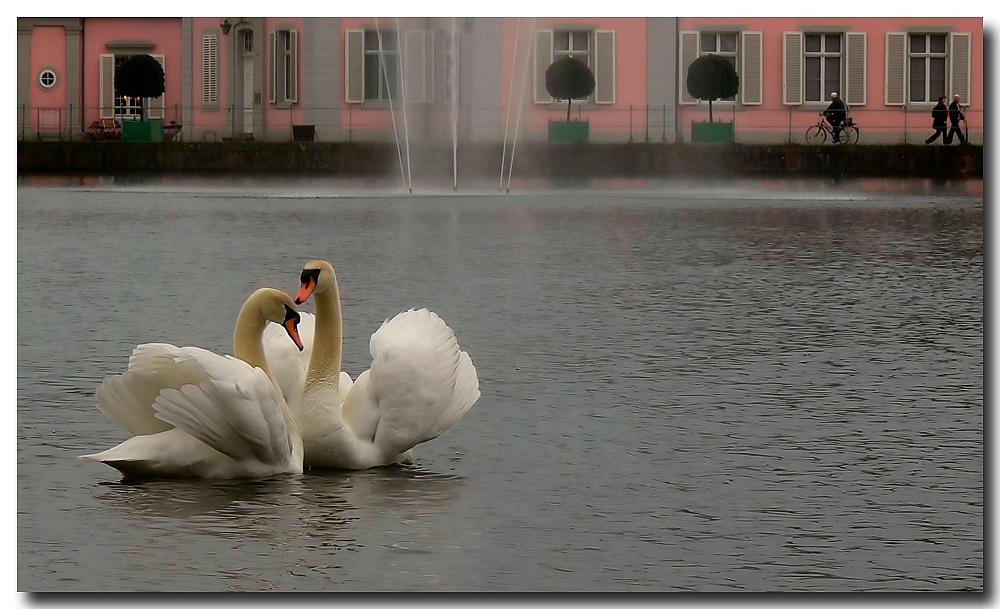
<point x="836" y="114"/>
<point x="940" y="114"/>
<point x="955" y="115"/>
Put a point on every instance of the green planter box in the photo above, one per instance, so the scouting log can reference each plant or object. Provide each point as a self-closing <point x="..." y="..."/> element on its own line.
<point x="712" y="133"/>
<point x="143" y="131"/>
<point x="563" y="132"/>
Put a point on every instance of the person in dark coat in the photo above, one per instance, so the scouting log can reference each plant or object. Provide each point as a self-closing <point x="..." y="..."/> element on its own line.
<point x="955" y="115"/>
<point x="836" y="114"/>
<point x="940" y="114"/>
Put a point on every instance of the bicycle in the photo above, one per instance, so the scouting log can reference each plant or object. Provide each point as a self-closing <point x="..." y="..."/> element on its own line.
<point x="817" y="134"/>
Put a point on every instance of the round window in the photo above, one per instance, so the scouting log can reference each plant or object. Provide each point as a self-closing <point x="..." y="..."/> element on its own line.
<point x="47" y="78"/>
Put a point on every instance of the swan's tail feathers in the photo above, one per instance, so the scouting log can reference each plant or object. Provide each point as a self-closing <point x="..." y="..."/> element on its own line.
<point x="137" y="469"/>
<point x="171" y="454"/>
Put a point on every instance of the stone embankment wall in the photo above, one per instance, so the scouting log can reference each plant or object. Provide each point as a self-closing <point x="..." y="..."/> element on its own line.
<point x="531" y="160"/>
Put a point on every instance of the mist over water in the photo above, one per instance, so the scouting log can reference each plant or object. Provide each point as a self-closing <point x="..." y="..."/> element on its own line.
<point x="754" y="385"/>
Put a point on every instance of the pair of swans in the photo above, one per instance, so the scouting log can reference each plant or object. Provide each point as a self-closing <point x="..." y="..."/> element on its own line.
<point x="281" y="406"/>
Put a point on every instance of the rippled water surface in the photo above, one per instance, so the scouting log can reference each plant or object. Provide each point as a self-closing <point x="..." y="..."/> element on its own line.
<point x="752" y="386"/>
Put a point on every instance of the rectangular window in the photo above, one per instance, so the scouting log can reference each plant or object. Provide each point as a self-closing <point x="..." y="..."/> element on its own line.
<point x="571" y="44"/>
<point x="741" y="49"/>
<point x="381" y="71"/>
<point x="126" y="107"/>
<point x="595" y="48"/>
<point x="927" y="61"/>
<point x="284" y="62"/>
<point x="822" y="66"/>
<point x="722" y="44"/>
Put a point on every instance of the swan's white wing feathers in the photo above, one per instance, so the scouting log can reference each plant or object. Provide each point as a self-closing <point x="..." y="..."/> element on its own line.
<point x="127" y="399"/>
<point x="420" y="383"/>
<point x="236" y="411"/>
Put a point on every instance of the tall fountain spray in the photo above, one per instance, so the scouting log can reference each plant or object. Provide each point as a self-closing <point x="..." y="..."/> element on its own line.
<point x="388" y="92"/>
<point x="402" y="96"/>
<point x="517" y="125"/>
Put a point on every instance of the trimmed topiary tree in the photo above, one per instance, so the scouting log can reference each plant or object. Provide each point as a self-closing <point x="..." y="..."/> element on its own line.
<point x="140" y="76"/>
<point x="712" y="77"/>
<point x="569" y="79"/>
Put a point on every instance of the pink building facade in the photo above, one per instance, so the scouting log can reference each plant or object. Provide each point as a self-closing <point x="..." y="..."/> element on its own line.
<point x="890" y="71"/>
<point x="482" y="79"/>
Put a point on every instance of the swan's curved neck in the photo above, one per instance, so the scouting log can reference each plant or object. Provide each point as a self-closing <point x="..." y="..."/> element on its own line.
<point x="328" y="337"/>
<point x="247" y="344"/>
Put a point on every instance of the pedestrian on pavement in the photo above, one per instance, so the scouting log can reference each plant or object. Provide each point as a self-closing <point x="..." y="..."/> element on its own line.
<point x="940" y="114"/>
<point x="955" y="115"/>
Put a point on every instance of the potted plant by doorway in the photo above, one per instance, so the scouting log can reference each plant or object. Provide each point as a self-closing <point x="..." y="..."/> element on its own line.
<point x="569" y="79"/>
<point x="709" y="78"/>
<point x="141" y="77"/>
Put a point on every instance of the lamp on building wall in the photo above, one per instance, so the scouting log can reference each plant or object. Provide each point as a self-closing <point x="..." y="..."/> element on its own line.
<point x="225" y="25"/>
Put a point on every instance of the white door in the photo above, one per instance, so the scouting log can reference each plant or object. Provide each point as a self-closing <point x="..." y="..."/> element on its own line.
<point x="247" y="95"/>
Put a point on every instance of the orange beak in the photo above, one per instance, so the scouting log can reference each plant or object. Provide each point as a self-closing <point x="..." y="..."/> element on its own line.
<point x="306" y="290"/>
<point x="291" y="325"/>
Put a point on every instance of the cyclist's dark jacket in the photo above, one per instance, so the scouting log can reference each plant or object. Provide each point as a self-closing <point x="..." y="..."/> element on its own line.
<point x="836" y="112"/>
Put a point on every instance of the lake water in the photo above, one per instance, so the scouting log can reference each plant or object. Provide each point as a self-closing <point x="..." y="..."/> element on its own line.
<point x="760" y="385"/>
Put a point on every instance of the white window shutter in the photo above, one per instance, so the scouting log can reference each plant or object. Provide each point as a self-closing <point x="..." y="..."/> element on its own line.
<point x="155" y="106"/>
<point x="960" y="58"/>
<point x="604" y="44"/>
<point x="751" y="62"/>
<point x="895" y="68"/>
<point x="293" y="69"/>
<point x="107" y="86"/>
<point x="272" y="38"/>
<point x="792" y="66"/>
<point x="689" y="52"/>
<point x="856" y="80"/>
<point x="354" y="66"/>
<point x="543" y="59"/>
<point x="418" y="73"/>
<point x="210" y="69"/>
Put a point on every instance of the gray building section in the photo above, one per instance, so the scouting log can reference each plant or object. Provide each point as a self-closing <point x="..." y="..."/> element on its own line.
<point x="187" y="71"/>
<point x="662" y="79"/>
<point x="323" y="79"/>
<point x="481" y="119"/>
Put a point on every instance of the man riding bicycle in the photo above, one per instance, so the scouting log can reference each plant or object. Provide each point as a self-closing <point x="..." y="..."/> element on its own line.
<point x="836" y="114"/>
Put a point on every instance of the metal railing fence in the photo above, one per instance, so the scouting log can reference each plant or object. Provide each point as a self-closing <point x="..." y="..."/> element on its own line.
<point x="431" y="124"/>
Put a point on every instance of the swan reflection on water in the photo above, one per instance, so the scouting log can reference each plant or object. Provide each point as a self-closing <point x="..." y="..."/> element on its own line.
<point x="330" y="500"/>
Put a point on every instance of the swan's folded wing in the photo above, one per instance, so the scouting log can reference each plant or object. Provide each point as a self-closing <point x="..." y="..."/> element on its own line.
<point x="236" y="412"/>
<point x="420" y="379"/>
<point x="127" y="399"/>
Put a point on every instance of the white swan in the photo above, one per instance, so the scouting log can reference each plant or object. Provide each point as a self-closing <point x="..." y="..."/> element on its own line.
<point x="195" y="414"/>
<point x="420" y="382"/>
